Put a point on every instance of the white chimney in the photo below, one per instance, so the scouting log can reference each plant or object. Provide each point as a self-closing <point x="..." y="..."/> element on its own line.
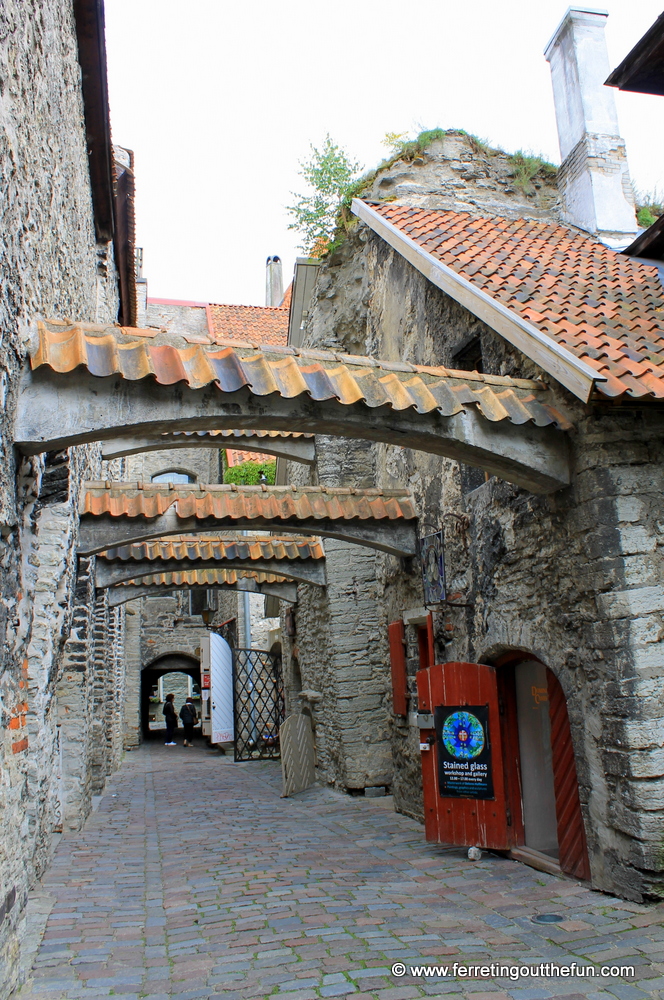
<point x="594" y="181"/>
<point x="274" y="284"/>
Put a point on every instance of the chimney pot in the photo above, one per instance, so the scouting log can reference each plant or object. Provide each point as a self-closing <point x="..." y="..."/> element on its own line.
<point x="274" y="284"/>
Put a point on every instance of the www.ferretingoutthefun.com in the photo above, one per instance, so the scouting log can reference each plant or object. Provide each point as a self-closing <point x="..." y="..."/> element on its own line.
<point x="545" y="970"/>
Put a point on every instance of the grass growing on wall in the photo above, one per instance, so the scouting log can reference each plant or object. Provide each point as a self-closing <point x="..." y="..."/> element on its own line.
<point x="249" y="473"/>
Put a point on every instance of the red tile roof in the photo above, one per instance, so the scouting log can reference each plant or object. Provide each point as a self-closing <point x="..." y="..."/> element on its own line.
<point x="604" y="307"/>
<point x="261" y="324"/>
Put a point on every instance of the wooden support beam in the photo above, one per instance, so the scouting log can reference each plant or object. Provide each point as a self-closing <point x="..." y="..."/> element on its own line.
<point x="89" y="408"/>
<point x="98" y="533"/>
<point x="108" y="572"/>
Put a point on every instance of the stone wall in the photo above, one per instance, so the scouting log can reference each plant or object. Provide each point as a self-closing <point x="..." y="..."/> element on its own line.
<point x="51" y="265"/>
<point x="574" y="578"/>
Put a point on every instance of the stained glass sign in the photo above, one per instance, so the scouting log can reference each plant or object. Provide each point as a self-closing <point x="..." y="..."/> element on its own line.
<point x="464" y="751"/>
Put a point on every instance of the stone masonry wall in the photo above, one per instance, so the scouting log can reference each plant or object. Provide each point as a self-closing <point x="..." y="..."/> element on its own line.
<point x="574" y="578"/>
<point x="51" y="266"/>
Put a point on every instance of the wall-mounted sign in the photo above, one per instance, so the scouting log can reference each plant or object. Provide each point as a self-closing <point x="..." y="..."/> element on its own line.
<point x="464" y="751"/>
<point x="432" y="555"/>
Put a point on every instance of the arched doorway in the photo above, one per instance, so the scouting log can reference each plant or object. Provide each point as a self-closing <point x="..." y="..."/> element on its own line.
<point x="539" y="764"/>
<point x="179" y="670"/>
<point x="502" y="773"/>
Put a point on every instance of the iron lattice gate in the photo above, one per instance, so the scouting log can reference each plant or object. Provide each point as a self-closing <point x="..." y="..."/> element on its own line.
<point x="258" y="704"/>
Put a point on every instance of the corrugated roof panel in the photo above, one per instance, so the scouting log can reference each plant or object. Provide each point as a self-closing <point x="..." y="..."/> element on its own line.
<point x="320" y="374"/>
<point x="287" y="503"/>
<point x="213" y="547"/>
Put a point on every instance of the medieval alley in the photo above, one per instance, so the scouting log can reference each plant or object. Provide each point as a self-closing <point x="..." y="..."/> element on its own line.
<point x="332" y="656"/>
<point x="245" y="894"/>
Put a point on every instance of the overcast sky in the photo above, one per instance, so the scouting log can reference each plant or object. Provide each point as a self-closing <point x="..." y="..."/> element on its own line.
<point x="221" y="99"/>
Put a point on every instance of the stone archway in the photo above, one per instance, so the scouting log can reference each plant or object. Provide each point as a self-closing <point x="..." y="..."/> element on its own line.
<point x="167" y="663"/>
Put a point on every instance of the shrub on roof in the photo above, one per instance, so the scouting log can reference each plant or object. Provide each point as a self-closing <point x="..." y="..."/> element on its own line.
<point x="249" y="473"/>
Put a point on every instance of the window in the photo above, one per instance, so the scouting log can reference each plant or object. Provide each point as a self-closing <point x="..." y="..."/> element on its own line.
<point x="469" y="358"/>
<point x="173" y="477"/>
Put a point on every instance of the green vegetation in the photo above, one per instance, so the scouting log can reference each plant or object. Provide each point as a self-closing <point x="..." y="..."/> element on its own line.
<point x="249" y="473"/>
<point x="526" y="168"/>
<point x="649" y="207"/>
<point x="329" y="173"/>
<point x="324" y="218"/>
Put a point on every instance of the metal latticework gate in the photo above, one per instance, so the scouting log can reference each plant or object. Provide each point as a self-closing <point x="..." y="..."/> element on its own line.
<point x="259" y="707"/>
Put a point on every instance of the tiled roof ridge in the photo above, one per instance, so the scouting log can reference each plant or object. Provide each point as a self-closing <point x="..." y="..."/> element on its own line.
<point x="240" y="305"/>
<point x="202" y="577"/>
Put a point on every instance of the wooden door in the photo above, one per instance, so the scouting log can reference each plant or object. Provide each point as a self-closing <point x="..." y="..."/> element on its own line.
<point x="473" y="816"/>
<point x="573" y="852"/>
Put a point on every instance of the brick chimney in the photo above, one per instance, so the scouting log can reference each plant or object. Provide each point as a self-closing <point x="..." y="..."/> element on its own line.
<point x="594" y="181"/>
<point x="274" y="284"/>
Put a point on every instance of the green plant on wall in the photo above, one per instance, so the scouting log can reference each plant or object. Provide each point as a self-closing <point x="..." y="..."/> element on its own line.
<point x="329" y="173"/>
<point x="249" y="473"/>
<point x="526" y="168"/>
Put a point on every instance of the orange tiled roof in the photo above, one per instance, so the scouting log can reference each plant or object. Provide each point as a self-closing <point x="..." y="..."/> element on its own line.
<point x="207" y="547"/>
<point x="604" y="307"/>
<point x="202" y="578"/>
<point x="137" y="354"/>
<point x="237" y="457"/>
<point x="263" y="324"/>
<point x="279" y="503"/>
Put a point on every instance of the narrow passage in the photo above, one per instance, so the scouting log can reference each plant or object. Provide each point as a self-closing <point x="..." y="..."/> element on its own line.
<point x="194" y="879"/>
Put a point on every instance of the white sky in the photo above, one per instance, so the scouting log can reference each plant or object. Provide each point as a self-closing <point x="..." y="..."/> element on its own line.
<point x="220" y="99"/>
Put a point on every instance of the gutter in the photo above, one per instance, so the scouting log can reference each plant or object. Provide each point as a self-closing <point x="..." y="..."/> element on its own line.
<point x="560" y="363"/>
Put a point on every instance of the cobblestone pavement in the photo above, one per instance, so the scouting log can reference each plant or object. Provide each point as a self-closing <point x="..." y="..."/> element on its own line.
<point x="195" y="880"/>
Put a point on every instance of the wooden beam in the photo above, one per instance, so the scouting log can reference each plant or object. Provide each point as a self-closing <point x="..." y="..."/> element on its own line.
<point x="121" y="595"/>
<point x="108" y="572"/>
<point x="98" y="533"/>
<point x="89" y="408"/>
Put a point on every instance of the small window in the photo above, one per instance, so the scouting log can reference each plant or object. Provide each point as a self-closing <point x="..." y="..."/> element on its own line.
<point x="173" y="477"/>
<point x="469" y="358"/>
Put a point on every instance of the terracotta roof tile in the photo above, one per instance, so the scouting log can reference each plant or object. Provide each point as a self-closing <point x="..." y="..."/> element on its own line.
<point x="263" y="324"/>
<point x="569" y="286"/>
<point x="208" y="547"/>
<point x="266" y="369"/>
<point x="278" y="503"/>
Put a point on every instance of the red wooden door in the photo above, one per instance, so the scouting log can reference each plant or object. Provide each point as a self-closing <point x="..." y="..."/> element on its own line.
<point x="460" y="819"/>
<point x="573" y="852"/>
<point x="397" y="640"/>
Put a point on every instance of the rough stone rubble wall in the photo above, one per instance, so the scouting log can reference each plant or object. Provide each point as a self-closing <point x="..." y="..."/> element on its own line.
<point x="51" y="265"/>
<point x="574" y="579"/>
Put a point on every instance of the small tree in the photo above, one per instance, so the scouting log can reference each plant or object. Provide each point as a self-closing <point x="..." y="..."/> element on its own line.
<point x="330" y="173"/>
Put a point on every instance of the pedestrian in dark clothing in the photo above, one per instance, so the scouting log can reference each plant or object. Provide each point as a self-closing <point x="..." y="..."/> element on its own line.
<point x="189" y="719"/>
<point x="171" y="720"/>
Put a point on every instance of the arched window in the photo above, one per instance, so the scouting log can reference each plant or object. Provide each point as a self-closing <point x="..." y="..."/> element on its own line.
<point x="173" y="476"/>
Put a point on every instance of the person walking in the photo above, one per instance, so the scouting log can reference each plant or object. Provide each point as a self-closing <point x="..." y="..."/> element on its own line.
<point x="189" y="718"/>
<point x="171" y="720"/>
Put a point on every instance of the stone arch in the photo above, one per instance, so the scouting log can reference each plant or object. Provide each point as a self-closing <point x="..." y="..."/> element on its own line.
<point x="560" y="737"/>
<point x="171" y="661"/>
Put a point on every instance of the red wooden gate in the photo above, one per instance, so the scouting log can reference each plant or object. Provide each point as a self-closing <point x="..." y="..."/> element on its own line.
<point x="573" y="853"/>
<point x="468" y="822"/>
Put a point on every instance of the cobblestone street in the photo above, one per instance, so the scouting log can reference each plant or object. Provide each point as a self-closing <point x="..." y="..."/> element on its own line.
<point x="194" y="879"/>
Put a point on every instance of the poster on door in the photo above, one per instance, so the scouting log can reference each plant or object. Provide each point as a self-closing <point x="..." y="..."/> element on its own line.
<point x="464" y="751"/>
